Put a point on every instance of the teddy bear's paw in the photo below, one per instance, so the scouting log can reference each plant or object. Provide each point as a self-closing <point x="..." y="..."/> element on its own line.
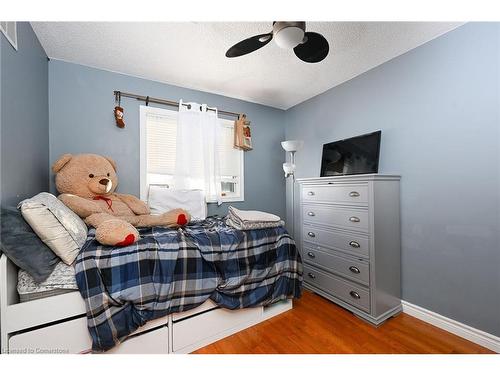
<point x="116" y="233"/>
<point x="129" y="240"/>
<point x="174" y="218"/>
<point x="182" y="219"/>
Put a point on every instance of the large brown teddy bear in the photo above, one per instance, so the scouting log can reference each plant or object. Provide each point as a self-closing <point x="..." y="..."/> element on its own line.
<point x="87" y="183"/>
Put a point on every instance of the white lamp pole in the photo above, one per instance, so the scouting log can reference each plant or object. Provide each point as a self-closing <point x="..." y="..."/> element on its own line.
<point x="289" y="168"/>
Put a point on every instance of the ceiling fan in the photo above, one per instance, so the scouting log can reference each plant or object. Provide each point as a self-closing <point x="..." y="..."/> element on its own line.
<point x="307" y="46"/>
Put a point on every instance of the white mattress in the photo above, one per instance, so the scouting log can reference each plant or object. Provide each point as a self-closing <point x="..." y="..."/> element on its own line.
<point x="61" y="280"/>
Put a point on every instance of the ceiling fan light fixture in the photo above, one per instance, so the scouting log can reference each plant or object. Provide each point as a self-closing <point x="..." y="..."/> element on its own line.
<point x="309" y="47"/>
<point x="289" y="37"/>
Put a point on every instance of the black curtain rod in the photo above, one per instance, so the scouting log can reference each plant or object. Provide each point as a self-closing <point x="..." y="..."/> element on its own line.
<point x="149" y="99"/>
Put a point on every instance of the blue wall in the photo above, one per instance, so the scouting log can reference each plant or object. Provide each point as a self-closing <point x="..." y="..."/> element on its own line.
<point x="24" y="117"/>
<point x="81" y="105"/>
<point x="438" y="108"/>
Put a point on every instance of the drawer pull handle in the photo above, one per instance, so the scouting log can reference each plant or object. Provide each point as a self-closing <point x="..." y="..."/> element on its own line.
<point x="354" y="269"/>
<point x="311" y="255"/>
<point x="311" y="234"/>
<point x="354" y="295"/>
<point x="310" y="213"/>
<point x="311" y="275"/>
<point x="354" y="194"/>
<point x="310" y="193"/>
<point x="354" y="219"/>
<point x="355" y="244"/>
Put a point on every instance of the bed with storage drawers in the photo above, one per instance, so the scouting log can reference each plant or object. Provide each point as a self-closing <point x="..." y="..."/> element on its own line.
<point x="173" y="291"/>
<point x="350" y="242"/>
<point x="58" y="324"/>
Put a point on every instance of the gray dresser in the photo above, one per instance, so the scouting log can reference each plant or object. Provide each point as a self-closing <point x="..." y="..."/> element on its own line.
<point x="349" y="236"/>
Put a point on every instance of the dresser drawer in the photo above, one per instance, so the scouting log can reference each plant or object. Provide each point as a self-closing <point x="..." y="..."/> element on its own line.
<point x="353" y="269"/>
<point x="333" y="216"/>
<point x="341" y="193"/>
<point x="342" y="289"/>
<point x="352" y="243"/>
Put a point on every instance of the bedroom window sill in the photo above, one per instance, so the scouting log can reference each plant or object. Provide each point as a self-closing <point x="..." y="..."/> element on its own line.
<point x="229" y="199"/>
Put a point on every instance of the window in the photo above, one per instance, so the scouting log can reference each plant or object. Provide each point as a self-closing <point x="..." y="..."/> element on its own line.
<point x="231" y="164"/>
<point x="158" y="149"/>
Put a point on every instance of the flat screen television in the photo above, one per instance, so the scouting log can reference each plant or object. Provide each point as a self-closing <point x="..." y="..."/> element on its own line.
<point x="357" y="155"/>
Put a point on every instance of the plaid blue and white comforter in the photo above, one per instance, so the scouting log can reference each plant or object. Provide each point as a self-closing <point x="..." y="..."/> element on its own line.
<point x="169" y="271"/>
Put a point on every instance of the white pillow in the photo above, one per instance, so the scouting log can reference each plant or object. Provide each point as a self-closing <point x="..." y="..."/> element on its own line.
<point x="57" y="226"/>
<point x="161" y="199"/>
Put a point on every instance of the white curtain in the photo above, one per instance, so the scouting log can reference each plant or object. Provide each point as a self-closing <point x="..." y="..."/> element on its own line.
<point x="197" y="160"/>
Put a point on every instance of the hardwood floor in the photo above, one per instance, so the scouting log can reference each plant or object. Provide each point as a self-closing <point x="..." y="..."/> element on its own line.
<point x="316" y="325"/>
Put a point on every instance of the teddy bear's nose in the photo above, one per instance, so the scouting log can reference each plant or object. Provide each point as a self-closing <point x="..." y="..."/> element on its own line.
<point x="103" y="181"/>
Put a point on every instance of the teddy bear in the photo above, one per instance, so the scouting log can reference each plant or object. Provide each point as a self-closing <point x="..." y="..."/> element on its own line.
<point x="87" y="183"/>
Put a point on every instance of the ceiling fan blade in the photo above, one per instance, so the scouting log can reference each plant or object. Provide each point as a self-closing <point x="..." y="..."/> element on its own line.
<point x="249" y="45"/>
<point x="314" y="49"/>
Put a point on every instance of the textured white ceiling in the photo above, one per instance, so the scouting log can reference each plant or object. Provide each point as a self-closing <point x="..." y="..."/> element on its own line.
<point x="191" y="54"/>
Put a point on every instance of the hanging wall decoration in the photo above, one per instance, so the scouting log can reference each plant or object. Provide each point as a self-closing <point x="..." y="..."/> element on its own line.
<point x="242" y="134"/>
<point x="119" y="110"/>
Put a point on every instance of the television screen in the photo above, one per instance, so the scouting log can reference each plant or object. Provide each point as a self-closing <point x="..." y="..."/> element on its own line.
<point x="356" y="155"/>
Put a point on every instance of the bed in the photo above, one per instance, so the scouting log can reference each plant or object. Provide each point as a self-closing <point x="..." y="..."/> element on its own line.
<point x="172" y="292"/>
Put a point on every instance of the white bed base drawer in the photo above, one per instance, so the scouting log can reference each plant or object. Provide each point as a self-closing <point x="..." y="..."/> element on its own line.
<point x="207" y="305"/>
<point x="149" y="342"/>
<point x="70" y="337"/>
<point x="73" y="337"/>
<point x="197" y="331"/>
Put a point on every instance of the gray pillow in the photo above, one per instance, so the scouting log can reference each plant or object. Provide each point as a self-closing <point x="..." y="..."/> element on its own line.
<point x="23" y="247"/>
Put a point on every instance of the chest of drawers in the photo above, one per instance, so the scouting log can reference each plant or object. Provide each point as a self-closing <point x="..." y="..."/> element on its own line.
<point x="349" y="237"/>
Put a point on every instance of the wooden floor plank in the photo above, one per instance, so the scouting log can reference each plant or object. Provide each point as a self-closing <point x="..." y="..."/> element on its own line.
<point x="316" y="325"/>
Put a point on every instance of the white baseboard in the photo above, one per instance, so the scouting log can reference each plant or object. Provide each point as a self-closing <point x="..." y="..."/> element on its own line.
<point x="469" y="333"/>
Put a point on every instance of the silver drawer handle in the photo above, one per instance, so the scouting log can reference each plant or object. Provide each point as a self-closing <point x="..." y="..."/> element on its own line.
<point x="310" y="213"/>
<point x="311" y="234"/>
<point x="354" y="219"/>
<point x="311" y="255"/>
<point x="355" y="244"/>
<point x="310" y="193"/>
<point x="354" y="269"/>
<point x="354" y="194"/>
<point x="311" y="275"/>
<point x="354" y="294"/>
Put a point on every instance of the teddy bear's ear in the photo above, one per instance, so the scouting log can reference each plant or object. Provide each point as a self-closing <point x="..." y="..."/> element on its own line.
<point x="61" y="162"/>
<point x="112" y="162"/>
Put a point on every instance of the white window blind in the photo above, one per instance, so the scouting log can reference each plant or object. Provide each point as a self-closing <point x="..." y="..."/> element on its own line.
<point x="158" y="137"/>
<point x="161" y="143"/>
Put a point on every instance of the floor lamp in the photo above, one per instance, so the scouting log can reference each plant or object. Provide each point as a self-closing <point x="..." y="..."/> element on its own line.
<point x="289" y="168"/>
